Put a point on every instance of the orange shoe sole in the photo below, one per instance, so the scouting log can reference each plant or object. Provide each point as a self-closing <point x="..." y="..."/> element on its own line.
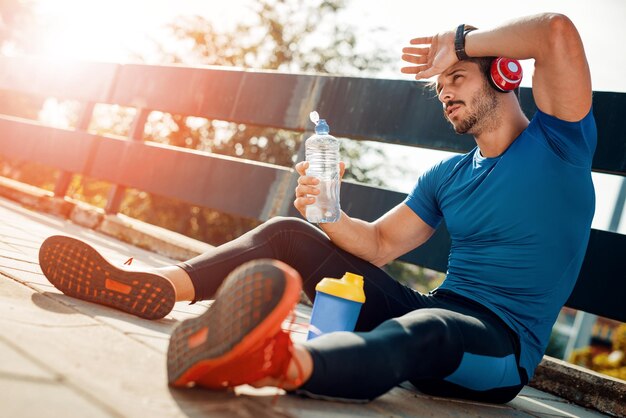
<point x="249" y="307"/>
<point x="78" y="270"/>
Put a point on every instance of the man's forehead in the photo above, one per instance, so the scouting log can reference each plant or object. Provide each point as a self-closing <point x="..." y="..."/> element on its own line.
<point x="461" y="65"/>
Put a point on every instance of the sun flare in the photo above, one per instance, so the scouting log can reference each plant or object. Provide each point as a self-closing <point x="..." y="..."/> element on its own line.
<point x="93" y="30"/>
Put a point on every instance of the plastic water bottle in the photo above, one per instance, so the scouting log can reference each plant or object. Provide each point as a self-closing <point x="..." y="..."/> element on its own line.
<point x="322" y="153"/>
<point x="337" y="305"/>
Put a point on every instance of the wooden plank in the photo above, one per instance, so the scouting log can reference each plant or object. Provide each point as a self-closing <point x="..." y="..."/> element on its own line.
<point x="224" y="183"/>
<point x="610" y="155"/>
<point x="55" y="147"/>
<point x="203" y="92"/>
<point x="393" y="111"/>
<point x="79" y="80"/>
<point x="601" y="284"/>
<point x="258" y="98"/>
<point x="277" y="100"/>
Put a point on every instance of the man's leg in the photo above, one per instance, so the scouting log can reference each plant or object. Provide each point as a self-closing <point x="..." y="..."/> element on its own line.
<point x="239" y="338"/>
<point x="311" y="253"/>
<point x="453" y="348"/>
<point x="457" y="350"/>
<point x="78" y="270"/>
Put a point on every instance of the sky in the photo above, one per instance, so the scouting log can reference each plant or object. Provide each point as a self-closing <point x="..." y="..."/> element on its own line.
<point x="111" y="30"/>
<point x="107" y="30"/>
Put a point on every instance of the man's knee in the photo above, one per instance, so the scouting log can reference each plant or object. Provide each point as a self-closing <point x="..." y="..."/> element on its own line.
<point x="286" y="223"/>
<point x="429" y="329"/>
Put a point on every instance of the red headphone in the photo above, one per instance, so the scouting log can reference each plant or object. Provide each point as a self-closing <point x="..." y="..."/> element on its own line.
<point x="505" y="74"/>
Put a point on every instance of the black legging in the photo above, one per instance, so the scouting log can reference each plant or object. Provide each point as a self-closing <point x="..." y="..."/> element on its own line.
<point x="445" y="344"/>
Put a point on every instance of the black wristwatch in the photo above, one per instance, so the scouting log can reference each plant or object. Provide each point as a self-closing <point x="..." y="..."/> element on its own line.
<point x="459" y="41"/>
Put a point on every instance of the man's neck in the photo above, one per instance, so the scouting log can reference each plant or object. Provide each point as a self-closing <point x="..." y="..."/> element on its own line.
<point x="494" y="142"/>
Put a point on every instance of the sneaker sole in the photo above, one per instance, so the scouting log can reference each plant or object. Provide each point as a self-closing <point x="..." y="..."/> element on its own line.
<point x="250" y="305"/>
<point x="78" y="270"/>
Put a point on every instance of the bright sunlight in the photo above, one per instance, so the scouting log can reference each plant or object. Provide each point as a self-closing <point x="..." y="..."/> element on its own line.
<point x="114" y="30"/>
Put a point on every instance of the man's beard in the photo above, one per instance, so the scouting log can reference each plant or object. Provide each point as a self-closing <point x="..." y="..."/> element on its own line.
<point x="483" y="117"/>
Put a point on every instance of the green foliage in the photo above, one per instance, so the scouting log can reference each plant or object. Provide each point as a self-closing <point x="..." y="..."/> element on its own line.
<point x="285" y="35"/>
<point x="419" y="278"/>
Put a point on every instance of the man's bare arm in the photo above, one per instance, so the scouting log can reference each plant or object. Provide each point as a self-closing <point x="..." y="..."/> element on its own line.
<point x="561" y="81"/>
<point x="395" y="233"/>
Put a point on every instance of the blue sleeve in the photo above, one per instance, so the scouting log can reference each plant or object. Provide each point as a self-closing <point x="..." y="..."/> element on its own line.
<point x="423" y="198"/>
<point x="574" y="142"/>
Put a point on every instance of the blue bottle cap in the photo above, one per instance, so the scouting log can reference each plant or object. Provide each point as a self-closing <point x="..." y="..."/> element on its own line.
<point x="322" y="128"/>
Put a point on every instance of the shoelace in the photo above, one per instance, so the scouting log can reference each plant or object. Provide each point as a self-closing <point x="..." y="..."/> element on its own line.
<point x="128" y="262"/>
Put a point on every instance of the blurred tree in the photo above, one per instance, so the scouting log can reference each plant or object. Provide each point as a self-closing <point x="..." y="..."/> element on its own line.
<point x="16" y="19"/>
<point x="284" y="35"/>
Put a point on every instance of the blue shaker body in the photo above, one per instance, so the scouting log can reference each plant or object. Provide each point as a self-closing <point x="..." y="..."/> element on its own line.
<point x="332" y="313"/>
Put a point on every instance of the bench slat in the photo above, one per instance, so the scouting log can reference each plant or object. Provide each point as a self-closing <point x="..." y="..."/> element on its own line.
<point x="76" y="80"/>
<point x="601" y="286"/>
<point x="228" y="184"/>
<point x="395" y="111"/>
<point x="58" y="148"/>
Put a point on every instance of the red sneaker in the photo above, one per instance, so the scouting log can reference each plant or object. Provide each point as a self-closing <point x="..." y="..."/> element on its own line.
<point x="239" y="338"/>
<point x="78" y="270"/>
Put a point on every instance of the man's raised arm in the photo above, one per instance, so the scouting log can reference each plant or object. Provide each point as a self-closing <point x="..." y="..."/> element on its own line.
<point x="561" y="81"/>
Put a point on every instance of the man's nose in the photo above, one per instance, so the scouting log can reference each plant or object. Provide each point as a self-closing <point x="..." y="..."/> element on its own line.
<point x="445" y="95"/>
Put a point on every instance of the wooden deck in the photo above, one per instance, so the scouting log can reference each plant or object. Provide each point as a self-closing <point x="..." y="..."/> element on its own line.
<point x="62" y="357"/>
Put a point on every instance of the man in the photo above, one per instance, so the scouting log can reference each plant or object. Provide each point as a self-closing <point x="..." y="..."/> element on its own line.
<point x="518" y="208"/>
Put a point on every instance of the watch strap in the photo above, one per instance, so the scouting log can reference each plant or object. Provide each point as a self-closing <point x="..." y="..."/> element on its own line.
<point x="459" y="41"/>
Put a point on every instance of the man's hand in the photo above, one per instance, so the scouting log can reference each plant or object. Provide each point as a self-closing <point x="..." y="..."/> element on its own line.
<point x="307" y="187"/>
<point x="434" y="55"/>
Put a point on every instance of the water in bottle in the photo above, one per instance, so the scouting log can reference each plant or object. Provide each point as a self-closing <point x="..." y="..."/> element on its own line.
<point x="337" y="305"/>
<point x="322" y="153"/>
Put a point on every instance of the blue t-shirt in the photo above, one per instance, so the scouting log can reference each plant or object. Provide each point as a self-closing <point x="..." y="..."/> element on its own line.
<point x="519" y="224"/>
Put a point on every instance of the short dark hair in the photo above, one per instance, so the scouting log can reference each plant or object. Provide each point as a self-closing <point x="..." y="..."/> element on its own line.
<point x="484" y="63"/>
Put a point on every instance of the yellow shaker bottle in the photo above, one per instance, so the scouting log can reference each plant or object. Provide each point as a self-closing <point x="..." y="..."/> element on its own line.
<point x="337" y="304"/>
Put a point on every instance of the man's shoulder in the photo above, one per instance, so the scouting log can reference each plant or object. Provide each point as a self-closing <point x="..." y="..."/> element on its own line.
<point x="574" y="142"/>
<point x="449" y="164"/>
<point x="451" y="161"/>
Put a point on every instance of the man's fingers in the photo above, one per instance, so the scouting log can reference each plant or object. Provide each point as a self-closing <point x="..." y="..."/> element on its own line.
<point x="414" y="69"/>
<point x="415" y="59"/>
<point x="415" y="51"/>
<point x="306" y="180"/>
<point x="306" y="190"/>
<point x="301" y="203"/>
<point x="421" y="41"/>
<point x="426" y="73"/>
<point x="301" y="167"/>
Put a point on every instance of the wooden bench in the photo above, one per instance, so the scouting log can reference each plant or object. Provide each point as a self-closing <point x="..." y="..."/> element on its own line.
<point x="390" y="111"/>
